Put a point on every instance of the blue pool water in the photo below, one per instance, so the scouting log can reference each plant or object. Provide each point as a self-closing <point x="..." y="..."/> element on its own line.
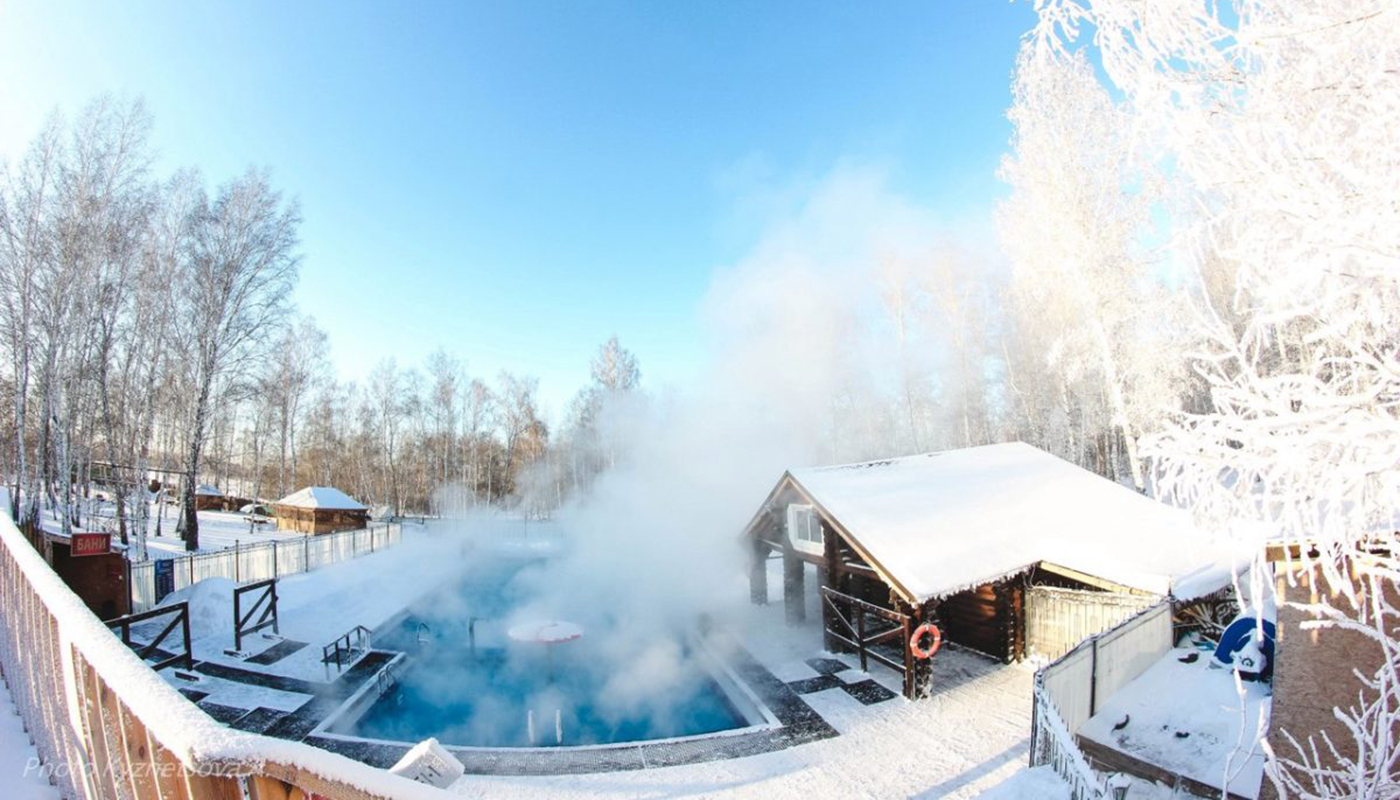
<point x="577" y="694"/>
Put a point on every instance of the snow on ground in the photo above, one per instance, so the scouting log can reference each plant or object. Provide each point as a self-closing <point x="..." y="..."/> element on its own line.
<point x="314" y="607"/>
<point x="1035" y="783"/>
<point x="218" y="530"/>
<point x="971" y="735"/>
<point x="18" y="760"/>
<point x="1201" y="701"/>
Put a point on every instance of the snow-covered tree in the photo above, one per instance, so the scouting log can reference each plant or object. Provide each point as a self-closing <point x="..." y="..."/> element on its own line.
<point x="1278" y="128"/>
<point x="234" y="288"/>
<point x="1082" y="281"/>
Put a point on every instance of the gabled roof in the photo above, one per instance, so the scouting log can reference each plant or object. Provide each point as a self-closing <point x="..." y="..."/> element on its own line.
<point x="206" y="489"/>
<point x="939" y="523"/>
<point x="321" y="497"/>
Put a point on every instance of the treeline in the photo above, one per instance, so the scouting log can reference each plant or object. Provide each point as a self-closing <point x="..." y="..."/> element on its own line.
<point x="148" y="330"/>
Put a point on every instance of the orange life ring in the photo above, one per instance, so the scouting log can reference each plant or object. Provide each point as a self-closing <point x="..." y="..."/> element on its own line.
<point x="919" y="632"/>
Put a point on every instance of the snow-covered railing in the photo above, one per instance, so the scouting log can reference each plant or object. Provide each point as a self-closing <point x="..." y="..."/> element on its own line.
<point x="1071" y="688"/>
<point x="260" y="562"/>
<point x="106" y="726"/>
<point x="1053" y="744"/>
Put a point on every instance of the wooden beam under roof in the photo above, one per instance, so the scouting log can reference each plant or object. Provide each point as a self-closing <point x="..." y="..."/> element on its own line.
<point x="1091" y="580"/>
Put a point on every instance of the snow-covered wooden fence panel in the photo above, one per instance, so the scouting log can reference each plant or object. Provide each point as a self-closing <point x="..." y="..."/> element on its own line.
<point x="258" y="562"/>
<point x="1070" y="689"/>
<point x="106" y="726"/>
<point x="1125" y="652"/>
<point x="1058" y="619"/>
<point x="1068" y="683"/>
<point x="1082" y="679"/>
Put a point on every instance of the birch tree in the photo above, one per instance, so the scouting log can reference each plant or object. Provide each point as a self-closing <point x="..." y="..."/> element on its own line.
<point x="25" y="242"/>
<point x="387" y="411"/>
<point x="299" y="363"/>
<point x="240" y="269"/>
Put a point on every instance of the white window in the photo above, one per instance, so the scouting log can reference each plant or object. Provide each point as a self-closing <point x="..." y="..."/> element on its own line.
<point x="804" y="528"/>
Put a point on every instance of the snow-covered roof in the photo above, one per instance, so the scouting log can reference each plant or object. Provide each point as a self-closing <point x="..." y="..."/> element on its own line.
<point x="206" y="489"/>
<point x="939" y="523"/>
<point x="321" y="497"/>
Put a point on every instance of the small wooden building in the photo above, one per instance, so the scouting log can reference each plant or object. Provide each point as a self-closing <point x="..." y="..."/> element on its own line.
<point x="99" y="578"/>
<point x="319" y="509"/>
<point x="208" y="498"/>
<point x="1009" y="550"/>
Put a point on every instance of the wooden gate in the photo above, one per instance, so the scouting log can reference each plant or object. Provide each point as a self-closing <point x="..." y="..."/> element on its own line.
<point x="1058" y="619"/>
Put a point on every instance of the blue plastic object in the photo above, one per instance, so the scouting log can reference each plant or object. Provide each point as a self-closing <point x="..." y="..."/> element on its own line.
<point x="1236" y="638"/>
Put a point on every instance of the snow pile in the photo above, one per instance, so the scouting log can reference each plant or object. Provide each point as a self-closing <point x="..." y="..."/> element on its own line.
<point x="211" y="606"/>
<point x="939" y="523"/>
<point x="1034" y="783"/>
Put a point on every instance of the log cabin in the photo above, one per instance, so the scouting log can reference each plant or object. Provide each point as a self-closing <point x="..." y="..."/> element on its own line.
<point x="319" y="509"/>
<point x="1008" y="550"/>
<point x="208" y="498"/>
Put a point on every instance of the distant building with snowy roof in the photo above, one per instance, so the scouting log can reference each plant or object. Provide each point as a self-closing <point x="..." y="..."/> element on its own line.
<point x="319" y="509"/>
<point x="1008" y="549"/>
<point x="208" y="498"/>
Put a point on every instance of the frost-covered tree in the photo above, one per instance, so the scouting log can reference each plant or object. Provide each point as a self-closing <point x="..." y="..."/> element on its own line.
<point x="234" y="286"/>
<point x="1081" y="281"/>
<point x="444" y="409"/>
<point x="524" y="434"/>
<point x="1278" y="128"/>
<point x="298" y="364"/>
<point x="25" y="238"/>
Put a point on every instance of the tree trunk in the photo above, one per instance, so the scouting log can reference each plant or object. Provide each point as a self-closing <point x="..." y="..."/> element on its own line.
<point x="190" y="515"/>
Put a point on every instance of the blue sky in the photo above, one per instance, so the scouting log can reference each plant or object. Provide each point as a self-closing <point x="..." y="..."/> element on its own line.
<point x="517" y="181"/>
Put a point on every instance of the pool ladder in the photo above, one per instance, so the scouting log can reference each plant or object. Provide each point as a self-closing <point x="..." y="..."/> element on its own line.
<point x="558" y="726"/>
<point x="385" y="679"/>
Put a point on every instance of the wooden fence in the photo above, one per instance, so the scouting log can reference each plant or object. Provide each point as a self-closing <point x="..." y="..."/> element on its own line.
<point x="1059" y="619"/>
<point x="260" y="562"/>
<point x="106" y="727"/>
<point x="1070" y="689"/>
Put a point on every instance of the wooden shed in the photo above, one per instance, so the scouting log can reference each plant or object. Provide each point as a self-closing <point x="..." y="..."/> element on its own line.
<point x="208" y="498"/>
<point x="1007" y="549"/>
<point x="319" y="509"/>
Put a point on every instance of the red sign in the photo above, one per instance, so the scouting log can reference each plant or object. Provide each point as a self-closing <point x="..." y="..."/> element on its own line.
<point x="91" y="544"/>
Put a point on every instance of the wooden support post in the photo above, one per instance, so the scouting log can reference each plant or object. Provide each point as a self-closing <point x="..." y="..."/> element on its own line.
<point x="919" y="679"/>
<point x="909" y="660"/>
<point x="831" y="577"/>
<point x="794" y="592"/>
<point x="1018" y="617"/>
<point x="1093" y="675"/>
<point x="758" y="572"/>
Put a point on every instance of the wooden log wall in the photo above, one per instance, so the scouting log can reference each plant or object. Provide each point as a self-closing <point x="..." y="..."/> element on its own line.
<point x="976" y="619"/>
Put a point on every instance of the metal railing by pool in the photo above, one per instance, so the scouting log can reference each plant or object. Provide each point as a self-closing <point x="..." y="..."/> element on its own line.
<point x="107" y="726"/>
